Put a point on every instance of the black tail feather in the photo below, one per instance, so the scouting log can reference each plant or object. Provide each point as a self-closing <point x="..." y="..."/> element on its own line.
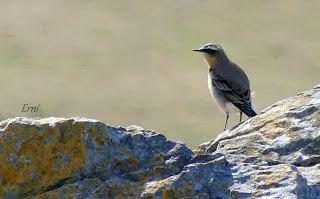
<point x="249" y="111"/>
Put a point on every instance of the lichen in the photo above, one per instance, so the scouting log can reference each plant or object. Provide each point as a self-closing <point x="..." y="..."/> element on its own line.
<point x="37" y="155"/>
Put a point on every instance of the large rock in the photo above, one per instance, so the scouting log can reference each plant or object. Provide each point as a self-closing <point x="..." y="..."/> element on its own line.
<point x="273" y="155"/>
<point x="56" y="158"/>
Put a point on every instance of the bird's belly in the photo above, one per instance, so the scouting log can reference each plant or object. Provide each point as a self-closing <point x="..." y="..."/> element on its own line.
<point x="223" y="103"/>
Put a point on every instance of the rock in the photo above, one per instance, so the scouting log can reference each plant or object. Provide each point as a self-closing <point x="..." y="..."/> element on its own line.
<point x="56" y="157"/>
<point x="273" y="155"/>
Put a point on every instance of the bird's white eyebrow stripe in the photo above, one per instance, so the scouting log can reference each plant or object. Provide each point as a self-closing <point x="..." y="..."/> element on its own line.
<point x="212" y="46"/>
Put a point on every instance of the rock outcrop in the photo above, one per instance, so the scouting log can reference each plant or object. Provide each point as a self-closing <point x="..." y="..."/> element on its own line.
<point x="273" y="155"/>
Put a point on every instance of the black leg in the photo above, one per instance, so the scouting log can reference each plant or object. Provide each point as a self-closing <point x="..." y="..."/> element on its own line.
<point x="240" y="116"/>
<point x="225" y="125"/>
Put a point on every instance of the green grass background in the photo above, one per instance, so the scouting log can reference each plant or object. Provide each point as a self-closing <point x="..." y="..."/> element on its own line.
<point x="130" y="62"/>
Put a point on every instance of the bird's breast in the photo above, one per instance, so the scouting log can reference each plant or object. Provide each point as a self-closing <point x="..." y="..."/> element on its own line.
<point x="210" y="84"/>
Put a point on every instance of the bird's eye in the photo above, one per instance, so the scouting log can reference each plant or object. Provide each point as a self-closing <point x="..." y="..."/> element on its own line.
<point x="211" y="51"/>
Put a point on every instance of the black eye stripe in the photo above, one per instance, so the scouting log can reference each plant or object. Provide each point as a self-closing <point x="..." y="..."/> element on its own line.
<point x="210" y="51"/>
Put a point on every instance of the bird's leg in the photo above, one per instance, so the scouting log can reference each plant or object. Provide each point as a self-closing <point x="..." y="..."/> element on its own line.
<point x="225" y="125"/>
<point x="240" y="116"/>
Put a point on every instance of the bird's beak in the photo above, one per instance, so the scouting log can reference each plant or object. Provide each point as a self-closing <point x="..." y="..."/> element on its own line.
<point x="198" y="50"/>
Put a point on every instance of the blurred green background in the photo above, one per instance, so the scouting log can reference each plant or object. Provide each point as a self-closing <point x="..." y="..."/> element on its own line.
<point x="130" y="62"/>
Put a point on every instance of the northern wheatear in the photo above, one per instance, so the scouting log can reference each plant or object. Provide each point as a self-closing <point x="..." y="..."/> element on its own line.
<point x="228" y="83"/>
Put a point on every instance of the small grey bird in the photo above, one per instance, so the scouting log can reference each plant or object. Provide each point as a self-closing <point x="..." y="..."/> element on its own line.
<point x="228" y="83"/>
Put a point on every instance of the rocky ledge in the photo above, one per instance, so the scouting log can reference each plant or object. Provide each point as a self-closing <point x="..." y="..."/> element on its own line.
<point x="273" y="155"/>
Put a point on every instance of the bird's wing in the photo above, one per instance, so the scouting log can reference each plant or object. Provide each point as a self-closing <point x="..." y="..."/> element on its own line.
<point x="238" y="98"/>
<point x="225" y="86"/>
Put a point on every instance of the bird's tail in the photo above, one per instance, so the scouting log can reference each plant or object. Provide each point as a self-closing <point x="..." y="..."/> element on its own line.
<point x="249" y="111"/>
<point x="250" y="108"/>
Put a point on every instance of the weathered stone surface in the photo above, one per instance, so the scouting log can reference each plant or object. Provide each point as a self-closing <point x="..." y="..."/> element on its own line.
<point x="59" y="158"/>
<point x="273" y="155"/>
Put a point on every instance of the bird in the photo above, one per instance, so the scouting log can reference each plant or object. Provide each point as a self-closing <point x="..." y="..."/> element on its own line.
<point x="228" y="83"/>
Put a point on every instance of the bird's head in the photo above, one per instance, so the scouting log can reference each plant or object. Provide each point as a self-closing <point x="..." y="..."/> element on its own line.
<point x="212" y="53"/>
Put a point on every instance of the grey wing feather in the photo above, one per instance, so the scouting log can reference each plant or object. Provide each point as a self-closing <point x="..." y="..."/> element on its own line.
<point x="241" y="100"/>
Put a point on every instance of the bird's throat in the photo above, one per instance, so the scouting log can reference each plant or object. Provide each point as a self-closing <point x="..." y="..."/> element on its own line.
<point x="210" y="60"/>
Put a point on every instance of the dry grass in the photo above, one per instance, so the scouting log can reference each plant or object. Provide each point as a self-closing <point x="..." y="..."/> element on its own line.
<point x="130" y="62"/>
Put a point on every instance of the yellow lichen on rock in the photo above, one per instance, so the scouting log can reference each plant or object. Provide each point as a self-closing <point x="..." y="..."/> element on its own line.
<point x="34" y="157"/>
<point x="78" y="157"/>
